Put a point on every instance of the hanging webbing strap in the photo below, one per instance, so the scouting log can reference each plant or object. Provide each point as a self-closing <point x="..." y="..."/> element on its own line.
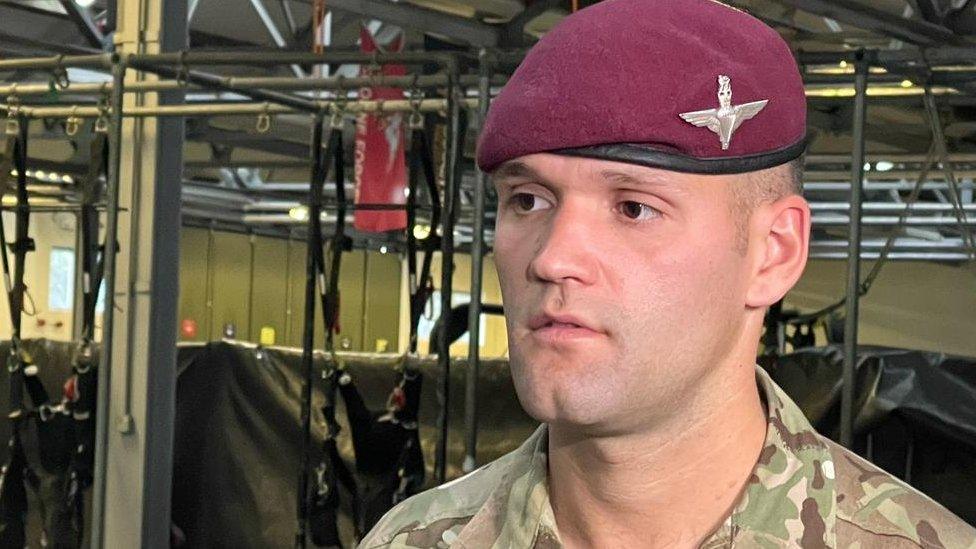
<point x="421" y="287"/>
<point x="313" y="252"/>
<point x="83" y="362"/>
<point x="327" y="288"/>
<point x="13" y="493"/>
<point x="329" y="280"/>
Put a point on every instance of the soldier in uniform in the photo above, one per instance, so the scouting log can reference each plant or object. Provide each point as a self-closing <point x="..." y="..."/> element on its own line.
<point x="646" y="156"/>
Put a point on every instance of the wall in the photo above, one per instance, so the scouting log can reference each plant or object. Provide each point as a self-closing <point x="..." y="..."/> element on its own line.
<point x="257" y="284"/>
<point x="915" y="305"/>
<point x="48" y="230"/>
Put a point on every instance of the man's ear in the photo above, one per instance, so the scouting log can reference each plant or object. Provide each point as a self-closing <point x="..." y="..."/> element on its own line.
<point x="779" y="236"/>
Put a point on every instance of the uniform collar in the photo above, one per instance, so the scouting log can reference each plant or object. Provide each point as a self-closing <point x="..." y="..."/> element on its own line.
<point x="789" y="500"/>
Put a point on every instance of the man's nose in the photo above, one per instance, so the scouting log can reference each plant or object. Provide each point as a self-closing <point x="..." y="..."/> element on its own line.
<point x="568" y="249"/>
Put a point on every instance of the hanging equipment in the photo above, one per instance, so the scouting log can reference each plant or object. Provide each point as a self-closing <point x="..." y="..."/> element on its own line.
<point x="421" y="161"/>
<point x="386" y="443"/>
<point x="330" y="466"/>
<point x="84" y="382"/>
<point x="328" y="289"/>
<point x="15" y="472"/>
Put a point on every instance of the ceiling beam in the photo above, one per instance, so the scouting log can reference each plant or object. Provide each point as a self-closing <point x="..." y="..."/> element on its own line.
<point x="82" y="19"/>
<point x="269" y="24"/>
<point x="58" y="33"/>
<point x="265" y="142"/>
<point x="513" y="33"/>
<point x="934" y="11"/>
<point x="850" y="13"/>
<point x="425" y="20"/>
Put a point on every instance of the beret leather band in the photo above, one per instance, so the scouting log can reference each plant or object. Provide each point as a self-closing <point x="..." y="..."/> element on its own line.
<point x="647" y="156"/>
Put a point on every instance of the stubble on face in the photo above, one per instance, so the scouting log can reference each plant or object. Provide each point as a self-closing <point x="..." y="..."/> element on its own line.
<point x="662" y="295"/>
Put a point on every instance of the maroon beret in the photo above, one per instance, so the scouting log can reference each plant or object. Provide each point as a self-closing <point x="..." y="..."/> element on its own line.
<point x="685" y="85"/>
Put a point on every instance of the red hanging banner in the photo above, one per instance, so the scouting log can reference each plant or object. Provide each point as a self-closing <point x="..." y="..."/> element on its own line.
<point x="381" y="168"/>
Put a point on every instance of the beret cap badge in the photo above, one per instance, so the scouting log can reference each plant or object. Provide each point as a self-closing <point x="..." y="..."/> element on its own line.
<point x="727" y="117"/>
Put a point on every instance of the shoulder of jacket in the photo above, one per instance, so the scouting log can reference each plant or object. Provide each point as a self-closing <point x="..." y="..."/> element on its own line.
<point x="874" y="503"/>
<point x="422" y="519"/>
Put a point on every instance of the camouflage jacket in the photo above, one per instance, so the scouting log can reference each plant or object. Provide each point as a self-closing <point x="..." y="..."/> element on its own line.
<point x="805" y="491"/>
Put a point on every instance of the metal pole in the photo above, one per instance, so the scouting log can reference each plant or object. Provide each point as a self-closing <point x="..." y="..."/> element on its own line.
<point x="24" y="89"/>
<point x="231" y="109"/>
<point x="104" y="60"/>
<point x="451" y="185"/>
<point x="212" y="81"/>
<point x="477" y="265"/>
<point x="938" y="136"/>
<point x="313" y="241"/>
<point x="278" y="57"/>
<point x="108" y="316"/>
<point x="854" y="256"/>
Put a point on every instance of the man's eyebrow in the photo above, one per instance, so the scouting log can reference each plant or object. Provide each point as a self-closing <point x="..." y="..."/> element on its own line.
<point x="626" y="178"/>
<point x="513" y="169"/>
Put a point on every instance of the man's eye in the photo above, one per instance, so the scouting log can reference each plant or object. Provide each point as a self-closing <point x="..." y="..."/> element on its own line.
<point x="637" y="211"/>
<point x="526" y="202"/>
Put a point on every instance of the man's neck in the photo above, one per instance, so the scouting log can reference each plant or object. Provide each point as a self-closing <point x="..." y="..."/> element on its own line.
<point x="670" y="486"/>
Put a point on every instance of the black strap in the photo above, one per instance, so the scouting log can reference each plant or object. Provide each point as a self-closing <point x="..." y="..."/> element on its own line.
<point x="92" y="255"/>
<point x="13" y="493"/>
<point x="421" y="286"/>
<point x="329" y="287"/>
<point x="83" y="362"/>
<point x="16" y="149"/>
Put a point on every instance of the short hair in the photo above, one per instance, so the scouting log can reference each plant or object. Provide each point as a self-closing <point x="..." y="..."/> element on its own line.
<point x="763" y="187"/>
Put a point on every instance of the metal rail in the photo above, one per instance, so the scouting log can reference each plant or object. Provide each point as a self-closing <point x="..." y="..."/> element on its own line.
<point x="854" y="255"/>
<point x="108" y="317"/>
<point x="232" y="109"/>
<point x="25" y="89"/>
<point x="477" y="265"/>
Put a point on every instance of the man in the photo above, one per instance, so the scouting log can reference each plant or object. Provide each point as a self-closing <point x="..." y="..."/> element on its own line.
<point x="646" y="160"/>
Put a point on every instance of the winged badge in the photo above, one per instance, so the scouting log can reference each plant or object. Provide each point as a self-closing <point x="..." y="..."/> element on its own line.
<point x="728" y="117"/>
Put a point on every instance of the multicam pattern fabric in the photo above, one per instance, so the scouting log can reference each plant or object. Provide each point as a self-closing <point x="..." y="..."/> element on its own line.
<point x="805" y="491"/>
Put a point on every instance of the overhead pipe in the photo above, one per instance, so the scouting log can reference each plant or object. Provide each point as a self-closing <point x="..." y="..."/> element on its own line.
<point x="843" y="220"/>
<point x="25" y="89"/>
<point x="881" y="186"/>
<point x="888" y="207"/>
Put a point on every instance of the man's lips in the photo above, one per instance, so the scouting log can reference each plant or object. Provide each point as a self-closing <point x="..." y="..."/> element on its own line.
<point x="560" y="322"/>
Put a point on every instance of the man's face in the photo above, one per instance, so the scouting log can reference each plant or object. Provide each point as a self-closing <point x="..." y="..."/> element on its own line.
<point x="622" y="286"/>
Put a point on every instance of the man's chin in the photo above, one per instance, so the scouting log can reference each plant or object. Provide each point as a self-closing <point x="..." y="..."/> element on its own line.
<point x="561" y="406"/>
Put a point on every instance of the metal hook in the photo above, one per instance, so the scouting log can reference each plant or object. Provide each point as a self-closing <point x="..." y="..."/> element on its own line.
<point x="338" y="107"/>
<point x="183" y="74"/>
<point x="101" y="123"/>
<point x="12" y="125"/>
<point x="72" y="123"/>
<point x="416" y="120"/>
<point x="263" y="124"/>
<point x="59" y="75"/>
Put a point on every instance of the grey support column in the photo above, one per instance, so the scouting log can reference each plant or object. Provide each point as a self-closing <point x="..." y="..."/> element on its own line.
<point x="477" y="262"/>
<point x="854" y="255"/>
<point x="137" y="387"/>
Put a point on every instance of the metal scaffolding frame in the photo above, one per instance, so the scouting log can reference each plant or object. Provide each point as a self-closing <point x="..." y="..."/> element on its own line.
<point x="268" y="96"/>
<point x="177" y="66"/>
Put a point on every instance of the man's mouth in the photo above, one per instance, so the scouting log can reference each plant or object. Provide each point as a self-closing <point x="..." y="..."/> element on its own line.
<point x="561" y="327"/>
